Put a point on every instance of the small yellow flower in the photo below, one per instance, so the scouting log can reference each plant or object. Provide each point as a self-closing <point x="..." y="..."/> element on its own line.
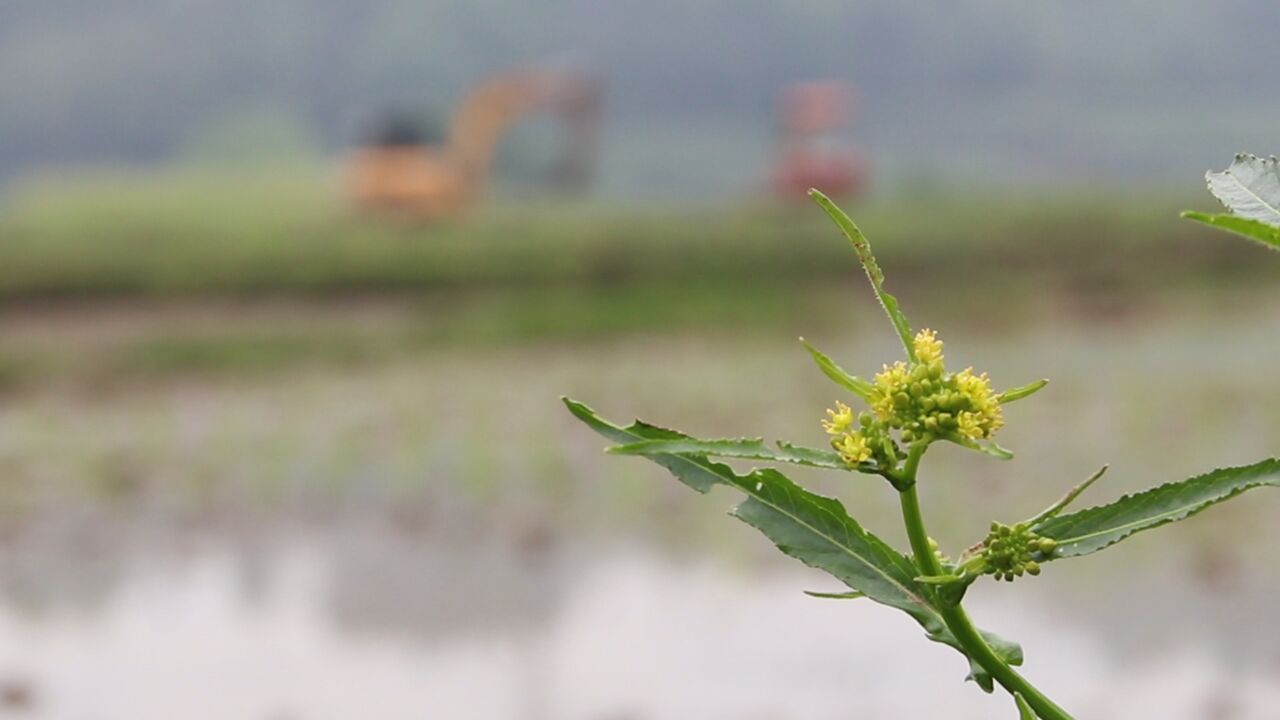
<point x="928" y="347"/>
<point x="852" y="447"/>
<point x="841" y="419"/>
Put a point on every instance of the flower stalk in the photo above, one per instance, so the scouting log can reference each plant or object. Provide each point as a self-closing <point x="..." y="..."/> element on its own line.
<point x="953" y="614"/>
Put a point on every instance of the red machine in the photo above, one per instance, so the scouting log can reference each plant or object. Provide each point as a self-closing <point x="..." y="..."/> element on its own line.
<point x="810" y="152"/>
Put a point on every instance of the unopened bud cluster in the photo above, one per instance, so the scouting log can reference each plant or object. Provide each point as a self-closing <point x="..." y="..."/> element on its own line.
<point x="1008" y="552"/>
<point x="921" y="401"/>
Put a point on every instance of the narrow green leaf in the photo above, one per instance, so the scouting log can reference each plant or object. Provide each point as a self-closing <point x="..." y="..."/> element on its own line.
<point x="856" y="385"/>
<point x="986" y="448"/>
<point x="1024" y="710"/>
<point x="862" y="247"/>
<point x="1250" y="188"/>
<point x="1253" y="229"/>
<point x="994" y="450"/>
<point x="1096" y="528"/>
<point x="813" y="456"/>
<point x="1056" y="508"/>
<point x="747" y="448"/>
<point x="836" y="596"/>
<point x="813" y="529"/>
<point x="1009" y="396"/>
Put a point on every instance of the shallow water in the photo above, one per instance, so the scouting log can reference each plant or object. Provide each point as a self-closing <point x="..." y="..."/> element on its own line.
<point x="313" y="630"/>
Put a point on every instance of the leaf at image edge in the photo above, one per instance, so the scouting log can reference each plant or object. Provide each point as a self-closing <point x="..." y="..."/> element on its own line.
<point x="1250" y="188"/>
<point x="1254" y="230"/>
<point x="1096" y="528"/>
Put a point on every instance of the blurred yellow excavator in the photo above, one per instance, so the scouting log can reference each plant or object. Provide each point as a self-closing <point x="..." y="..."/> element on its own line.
<point x="397" y="171"/>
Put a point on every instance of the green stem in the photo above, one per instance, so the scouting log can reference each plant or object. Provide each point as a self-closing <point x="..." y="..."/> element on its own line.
<point x="954" y="616"/>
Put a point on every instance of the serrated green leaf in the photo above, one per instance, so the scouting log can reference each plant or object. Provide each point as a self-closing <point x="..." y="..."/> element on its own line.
<point x="1096" y="528"/>
<point x="1250" y="188"/>
<point x="1018" y="393"/>
<point x="813" y="529"/>
<point x="1024" y="710"/>
<point x="698" y="473"/>
<point x="811" y="456"/>
<point x="817" y="531"/>
<point x="745" y="448"/>
<point x="1254" y="230"/>
<point x="852" y="383"/>
<point x="808" y="527"/>
<point x="862" y="247"/>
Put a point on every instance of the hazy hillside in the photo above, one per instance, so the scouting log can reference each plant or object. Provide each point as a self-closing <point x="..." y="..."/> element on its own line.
<point x="974" y="88"/>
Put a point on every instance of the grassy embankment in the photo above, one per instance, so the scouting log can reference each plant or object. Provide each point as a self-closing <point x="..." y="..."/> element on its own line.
<point x="207" y="271"/>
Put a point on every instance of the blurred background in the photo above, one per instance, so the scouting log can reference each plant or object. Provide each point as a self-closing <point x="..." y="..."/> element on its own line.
<point x="289" y="292"/>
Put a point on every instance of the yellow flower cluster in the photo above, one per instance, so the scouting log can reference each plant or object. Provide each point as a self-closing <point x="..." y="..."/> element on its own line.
<point x="923" y="398"/>
<point x="919" y="399"/>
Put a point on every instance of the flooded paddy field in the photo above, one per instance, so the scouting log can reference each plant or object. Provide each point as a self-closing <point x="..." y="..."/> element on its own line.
<point x="429" y="534"/>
